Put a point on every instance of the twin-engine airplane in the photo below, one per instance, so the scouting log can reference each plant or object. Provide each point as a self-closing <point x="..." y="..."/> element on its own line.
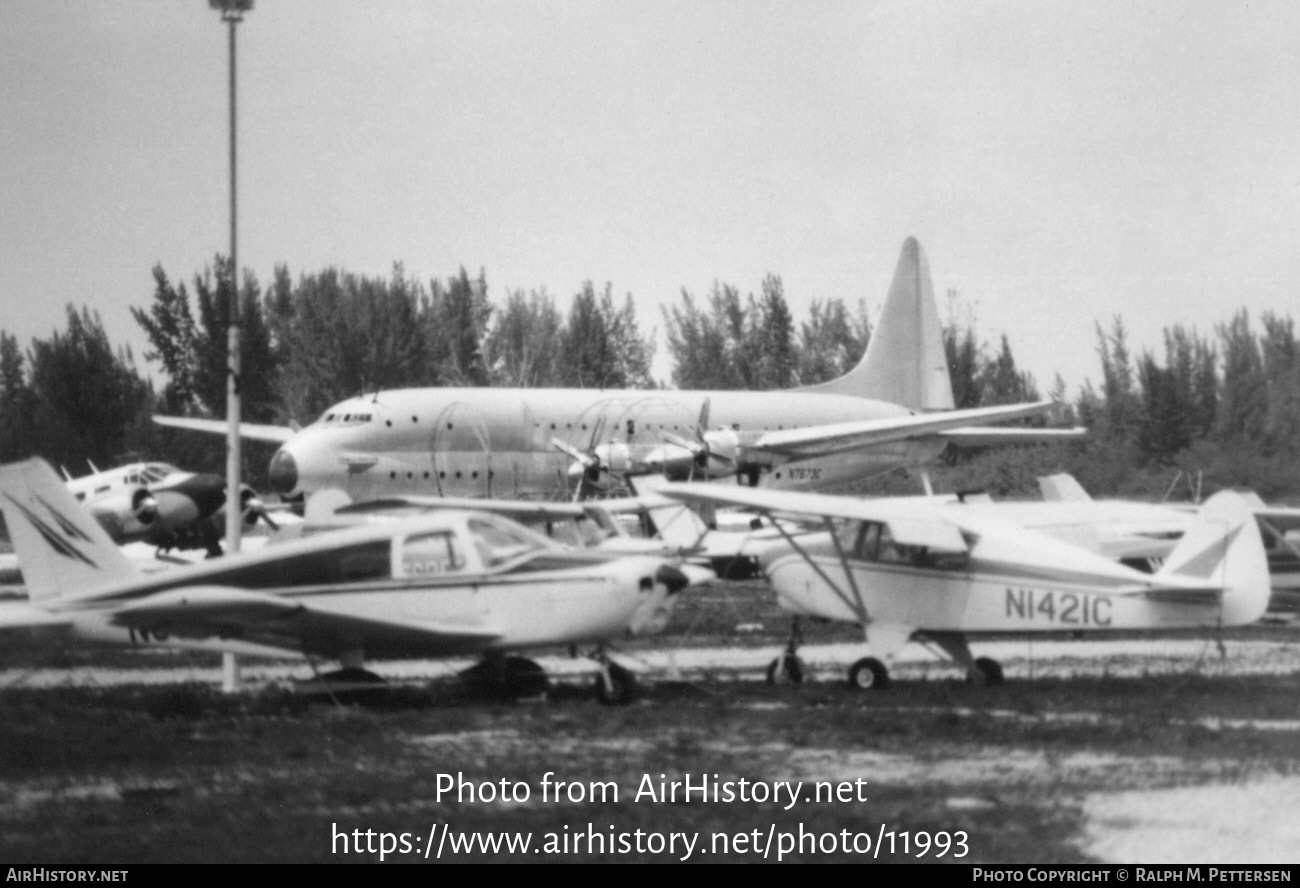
<point x="907" y="571"/>
<point x="894" y="409"/>
<point x="449" y="584"/>
<point x="158" y="504"/>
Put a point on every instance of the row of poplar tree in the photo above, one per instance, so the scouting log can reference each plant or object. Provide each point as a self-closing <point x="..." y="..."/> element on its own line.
<point x="1221" y="407"/>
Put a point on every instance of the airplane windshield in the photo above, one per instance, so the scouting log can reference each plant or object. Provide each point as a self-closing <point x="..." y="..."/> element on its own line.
<point x="579" y="531"/>
<point x="154" y="472"/>
<point x="498" y="542"/>
<point x="342" y="417"/>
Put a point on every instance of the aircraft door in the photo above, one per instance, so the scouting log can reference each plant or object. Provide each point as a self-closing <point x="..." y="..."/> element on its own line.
<point x="461" y="452"/>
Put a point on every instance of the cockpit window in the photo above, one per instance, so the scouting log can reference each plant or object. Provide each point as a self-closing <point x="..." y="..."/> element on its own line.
<point x="347" y="419"/>
<point x="154" y="472"/>
<point x="498" y="542"/>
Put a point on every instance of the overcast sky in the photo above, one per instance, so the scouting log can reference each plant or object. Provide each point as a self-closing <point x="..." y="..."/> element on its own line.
<point x="1060" y="163"/>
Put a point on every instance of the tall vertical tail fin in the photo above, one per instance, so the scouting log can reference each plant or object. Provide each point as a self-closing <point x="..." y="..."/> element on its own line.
<point x="1223" y="546"/>
<point x="1062" y="488"/>
<point x="60" y="546"/>
<point x="905" y="362"/>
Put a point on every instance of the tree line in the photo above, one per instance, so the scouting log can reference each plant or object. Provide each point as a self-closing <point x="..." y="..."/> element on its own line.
<point x="1223" y="407"/>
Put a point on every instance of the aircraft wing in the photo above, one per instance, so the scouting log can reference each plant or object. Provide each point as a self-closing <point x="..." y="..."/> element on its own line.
<point x="252" y="431"/>
<point x="401" y="505"/>
<point x="230" y="613"/>
<point x="912" y="526"/>
<point x="845" y="436"/>
<point x="1280" y="518"/>
<point x="981" y="437"/>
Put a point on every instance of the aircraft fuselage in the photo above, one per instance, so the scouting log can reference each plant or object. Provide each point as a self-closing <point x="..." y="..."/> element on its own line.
<point x="499" y="442"/>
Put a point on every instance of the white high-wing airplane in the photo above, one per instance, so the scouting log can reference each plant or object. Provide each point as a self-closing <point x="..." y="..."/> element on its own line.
<point x="894" y="409"/>
<point x="908" y="571"/>
<point x="449" y="584"/>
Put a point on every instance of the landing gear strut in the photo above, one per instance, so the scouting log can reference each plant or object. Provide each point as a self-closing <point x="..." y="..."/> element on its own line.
<point x="616" y="685"/>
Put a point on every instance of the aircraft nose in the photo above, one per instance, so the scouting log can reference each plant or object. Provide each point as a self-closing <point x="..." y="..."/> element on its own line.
<point x="283" y="473"/>
<point x="673" y="578"/>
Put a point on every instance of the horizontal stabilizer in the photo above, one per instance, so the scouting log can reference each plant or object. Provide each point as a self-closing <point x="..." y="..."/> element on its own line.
<point x="20" y="615"/>
<point x="251" y="431"/>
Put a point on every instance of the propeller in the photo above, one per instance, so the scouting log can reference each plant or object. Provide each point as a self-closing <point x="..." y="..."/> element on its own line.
<point x="589" y="466"/>
<point x="145" y="506"/>
<point x="707" y="449"/>
<point x="252" y="508"/>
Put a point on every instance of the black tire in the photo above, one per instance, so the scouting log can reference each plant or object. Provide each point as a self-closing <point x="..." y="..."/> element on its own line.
<point x="985" y="672"/>
<point x="868" y="674"/>
<point x="506" y="679"/>
<point x="786" y="669"/>
<point x="615" y="686"/>
<point x="525" y="677"/>
<point x="359" y="686"/>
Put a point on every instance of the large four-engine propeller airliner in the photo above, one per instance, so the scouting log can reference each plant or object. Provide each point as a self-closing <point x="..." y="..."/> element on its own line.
<point x="895" y="408"/>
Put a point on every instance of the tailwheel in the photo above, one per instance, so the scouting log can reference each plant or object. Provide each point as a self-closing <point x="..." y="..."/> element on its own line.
<point x="868" y="674"/>
<point x="616" y="685"/>
<point x="985" y="671"/>
<point x="787" y="669"/>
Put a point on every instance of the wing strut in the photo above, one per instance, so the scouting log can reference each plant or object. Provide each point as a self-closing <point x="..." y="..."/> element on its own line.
<point x="856" y="603"/>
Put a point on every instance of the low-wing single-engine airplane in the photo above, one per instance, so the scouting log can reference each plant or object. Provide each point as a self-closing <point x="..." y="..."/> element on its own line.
<point x="895" y="408"/>
<point x="448" y="584"/>
<point x="907" y="571"/>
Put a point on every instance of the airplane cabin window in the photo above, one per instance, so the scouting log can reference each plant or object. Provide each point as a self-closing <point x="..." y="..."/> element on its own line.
<point x="889" y="551"/>
<point x="431" y="553"/>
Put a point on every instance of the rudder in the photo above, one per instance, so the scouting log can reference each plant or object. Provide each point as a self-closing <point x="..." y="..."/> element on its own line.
<point x="61" y="548"/>
<point x="1224" y="547"/>
<point x="905" y="362"/>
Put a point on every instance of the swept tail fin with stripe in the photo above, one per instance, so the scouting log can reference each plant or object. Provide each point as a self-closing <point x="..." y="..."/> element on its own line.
<point x="61" y="548"/>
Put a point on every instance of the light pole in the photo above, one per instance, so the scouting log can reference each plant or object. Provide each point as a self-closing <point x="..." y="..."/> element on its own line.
<point x="232" y="13"/>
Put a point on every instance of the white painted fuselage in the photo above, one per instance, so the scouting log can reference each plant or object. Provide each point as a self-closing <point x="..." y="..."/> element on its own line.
<point x="498" y="442"/>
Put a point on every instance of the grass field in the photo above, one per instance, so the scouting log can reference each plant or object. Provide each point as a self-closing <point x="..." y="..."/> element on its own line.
<point x="1053" y="769"/>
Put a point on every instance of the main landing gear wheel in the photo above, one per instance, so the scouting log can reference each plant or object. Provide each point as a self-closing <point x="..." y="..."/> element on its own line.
<point x="510" y="678"/>
<point x="786" y="669"/>
<point x="615" y="685"/>
<point x="350" y="685"/>
<point x="985" y="672"/>
<point x="868" y="674"/>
